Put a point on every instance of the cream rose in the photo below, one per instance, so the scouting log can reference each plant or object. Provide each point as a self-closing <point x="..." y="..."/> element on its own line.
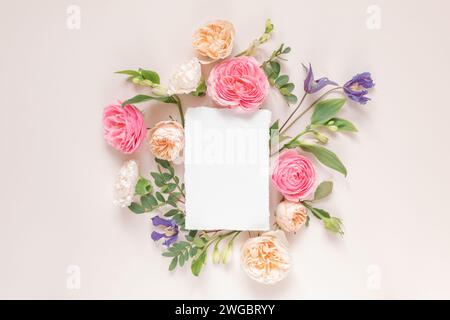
<point x="266" y="258"/>
<point x="186" y="78"/>
<point x="290" y="216"/>
<point x="166" y="140"/>
<point x="214" y="41"/>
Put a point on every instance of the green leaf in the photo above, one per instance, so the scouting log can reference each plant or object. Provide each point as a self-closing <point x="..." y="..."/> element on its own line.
<point x="326" y="109"/>
<point x="150" y="75"/>
<point x="149" y="201"/>
<point x="137" y="99"/>
<point x="163" y="163"/>
<point x="275" y="69"/>
<point x="319" y="213"/>
<point x="158" y="178"/>
<point x="172" y="212"/>
<point x="287" y="89"/>
<point x="181" y="260"/>
<point x="323" y="190"/>
<point x="171" y="187"/>
<point x="200" y="90"/>
<point x="338" y="124"/>
<point x="132" y="73"/>
<point x="160" y="197"/>
<point x="325" y="156"/>
<point x="286" y="50"/>
<point x="193" y="251"/>
<point x="143" y="186"/>
<point x="291" y="98"/>
<point x="142" y="98"/>
<point x="169" y="254"/>
<point x="173" y="263"/>
<point x="136" y="208"/>
<point x="197" y="264"/>
<point x="199" y="242"/>
<point x="281" y="81"/>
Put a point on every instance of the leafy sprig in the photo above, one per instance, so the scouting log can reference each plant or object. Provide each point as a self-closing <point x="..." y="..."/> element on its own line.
<point x="272" y="70"/>
<point x="332" y="224"/>
<point x="170" y="192"/>
<point x="268" y="28"/>
<point x="324" y="116"/>
<point x="151" y="79"/>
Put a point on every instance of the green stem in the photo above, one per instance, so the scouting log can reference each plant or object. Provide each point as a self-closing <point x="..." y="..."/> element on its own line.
<point x="307" y="130"/>
<point x="298" y="106"/>
<point x="311" y="105"/>
<point x="180" y="108"/>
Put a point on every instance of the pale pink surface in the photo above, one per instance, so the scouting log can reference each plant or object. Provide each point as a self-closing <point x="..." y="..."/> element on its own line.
<point x="238" y="83"/>
<point x="123" y="127"/>
<point x="294" y="175"/>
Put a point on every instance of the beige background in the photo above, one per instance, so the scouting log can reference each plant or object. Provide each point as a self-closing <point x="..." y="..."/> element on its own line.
<point x="57" y="172"/>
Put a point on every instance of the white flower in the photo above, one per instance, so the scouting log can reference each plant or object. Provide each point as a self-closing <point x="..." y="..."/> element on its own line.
<point x="125" y="184"/>
<point x="290" y="216"/>
<point x="266" y="258"/>
<point x="186" y="78"/>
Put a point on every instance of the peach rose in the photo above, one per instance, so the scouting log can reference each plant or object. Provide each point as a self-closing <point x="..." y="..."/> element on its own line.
<point x="266" y="258"/>
<point x="214" y="41"/>
<point x="290" y="216"/>
<point x="238" y="83"/>
<point x="294" y="175"/>
<point x="166" y="140"/>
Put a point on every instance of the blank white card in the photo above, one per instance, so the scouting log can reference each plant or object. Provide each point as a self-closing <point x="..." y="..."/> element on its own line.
<point x="227" y="169"/>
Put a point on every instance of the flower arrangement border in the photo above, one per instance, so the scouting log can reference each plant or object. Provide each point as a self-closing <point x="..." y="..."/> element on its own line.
<point x="265" y="258"/>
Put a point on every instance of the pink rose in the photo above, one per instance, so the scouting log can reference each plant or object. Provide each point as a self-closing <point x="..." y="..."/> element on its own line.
<point x="123" y="127"/>
<point x="238" y="83"/>
<point x="294" y="175"/>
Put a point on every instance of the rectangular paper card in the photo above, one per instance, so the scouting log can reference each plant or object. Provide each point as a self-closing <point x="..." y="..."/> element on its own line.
<point x="227" y="169"/>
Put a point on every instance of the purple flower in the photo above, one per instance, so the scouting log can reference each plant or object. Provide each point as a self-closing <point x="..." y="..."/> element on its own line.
<point x="169" y="230"/>
<point x="311" y="85"/>
<point x="356" y="88"/>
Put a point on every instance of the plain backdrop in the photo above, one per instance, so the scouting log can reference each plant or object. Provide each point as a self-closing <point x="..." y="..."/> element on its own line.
<point x="57" y="173"/>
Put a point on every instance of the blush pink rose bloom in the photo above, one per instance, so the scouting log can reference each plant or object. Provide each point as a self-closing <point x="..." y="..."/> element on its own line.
<point x="294" y="176"/>
<point x="124" y="127"/>
<point x="238" y="83"/>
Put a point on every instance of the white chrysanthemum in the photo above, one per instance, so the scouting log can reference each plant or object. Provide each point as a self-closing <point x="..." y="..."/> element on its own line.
<point x="186" y="78"/>
<point x="125" y="184"/>
<point x="266" y="258"/>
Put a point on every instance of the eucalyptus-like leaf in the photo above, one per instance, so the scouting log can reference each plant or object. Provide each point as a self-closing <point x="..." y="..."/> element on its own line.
<point x="136" y="208"/>
<point x="173" y="263"/>
<point x="281" y="81"/>
<point x="326" y="109"/>
<point x="143" y="186"/>
<point x="149" y="201"/>
<point x="163" y="163"/>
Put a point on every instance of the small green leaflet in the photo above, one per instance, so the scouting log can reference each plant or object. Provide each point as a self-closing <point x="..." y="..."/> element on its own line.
<point x="323" y="190"/>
